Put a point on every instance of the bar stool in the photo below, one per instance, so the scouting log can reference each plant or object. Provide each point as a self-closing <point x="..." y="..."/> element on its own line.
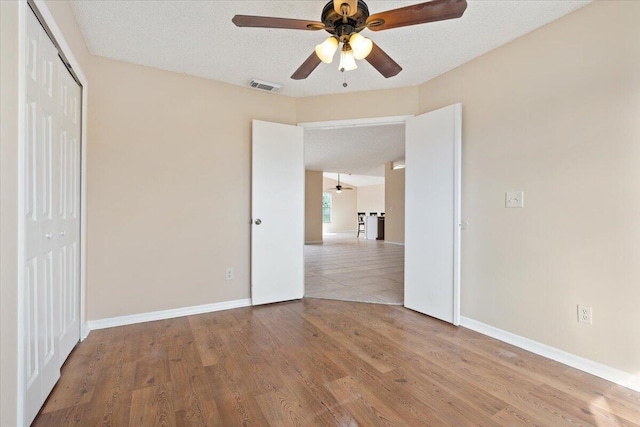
<point x="360" y="223"/>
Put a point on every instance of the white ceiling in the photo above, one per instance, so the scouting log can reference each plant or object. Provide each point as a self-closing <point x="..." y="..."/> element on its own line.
<point x="198" y="38"/>
<point x="358" y="150"/>
<point x="355" y="180"/>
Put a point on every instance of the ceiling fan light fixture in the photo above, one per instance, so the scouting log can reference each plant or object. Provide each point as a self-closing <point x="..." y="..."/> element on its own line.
<point x="360" y="45"/>
<point x="327" y="49"/>
<point x="347" y="60"/>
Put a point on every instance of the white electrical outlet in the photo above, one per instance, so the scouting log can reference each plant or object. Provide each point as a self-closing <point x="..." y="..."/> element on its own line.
<point x="228" y="275"/>
<point x="585" y="314"/>
<point x="513" y="199"/>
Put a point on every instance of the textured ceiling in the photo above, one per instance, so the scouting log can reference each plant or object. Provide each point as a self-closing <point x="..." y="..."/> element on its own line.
<point x="358" y="150"/>
<point x="355" y="180"/>
<point x="198" y="38"/>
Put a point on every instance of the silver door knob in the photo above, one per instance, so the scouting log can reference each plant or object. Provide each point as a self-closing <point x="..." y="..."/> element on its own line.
<point x="258" y="221"/>
<point x="63" y="233"/>
<point x="48" y="236"/>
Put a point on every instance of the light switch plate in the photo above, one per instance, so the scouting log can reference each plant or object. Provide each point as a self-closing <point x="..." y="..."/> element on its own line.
<point x="513" y="199"/>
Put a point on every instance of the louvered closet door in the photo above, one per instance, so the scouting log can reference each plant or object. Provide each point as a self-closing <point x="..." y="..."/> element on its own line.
<point x="51" y="193"/>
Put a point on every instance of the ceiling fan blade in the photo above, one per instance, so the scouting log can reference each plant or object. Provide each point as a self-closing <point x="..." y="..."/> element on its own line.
<point x="307" y="67"/>
<point x="269" y="22"/>
<point x="383" y="62"/>
<point x="436" y="10"/>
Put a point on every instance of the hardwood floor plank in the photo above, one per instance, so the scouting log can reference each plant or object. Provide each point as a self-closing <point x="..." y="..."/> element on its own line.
<point x="71" y="416"/>
<point x="588" y="413"/>
<point x="366" y="413"/>
<point x="235" y="406"/>
<point x="513" y="418"/>
<point x="78" y="377"/>
<point x="320" y="362"/>
<point x="153" y="406"/>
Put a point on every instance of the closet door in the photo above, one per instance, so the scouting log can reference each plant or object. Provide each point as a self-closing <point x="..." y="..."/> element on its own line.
<point x="67" y="213"/>
<point x="52" y="219"/>
<point x="42" y="367"/>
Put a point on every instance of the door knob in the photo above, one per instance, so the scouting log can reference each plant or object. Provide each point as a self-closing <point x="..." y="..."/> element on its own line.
<point x="48" y="236"/>
<point x="63" y="233"/>
<point x="258" y="221"/>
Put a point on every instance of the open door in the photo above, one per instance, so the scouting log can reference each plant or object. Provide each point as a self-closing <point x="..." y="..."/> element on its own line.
<point x="432" y="213"/>
<point x="277" y="211"/>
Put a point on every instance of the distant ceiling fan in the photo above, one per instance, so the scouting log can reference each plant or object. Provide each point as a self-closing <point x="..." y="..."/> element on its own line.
<point x="338" y="188"/>
<point x="345" y="19"/>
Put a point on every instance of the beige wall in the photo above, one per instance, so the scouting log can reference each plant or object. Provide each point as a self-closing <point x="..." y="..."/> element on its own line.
<point x="313" y="206"/>
<point x="169" y="183"/>
<point x="8" y="211"/>
<point x="344" y="213"/>
<point x="394" y="204"/>
<point x="371" y="198"/>
<point x="555" y="114"/>
<point x="376" y="103"/>
<point x="66" y="21"/>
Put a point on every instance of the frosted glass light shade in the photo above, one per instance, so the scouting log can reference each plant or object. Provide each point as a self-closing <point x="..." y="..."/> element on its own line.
<point x="360" y="45"/>
<point x="327" y="49"/>
<point x="347" y="61"/>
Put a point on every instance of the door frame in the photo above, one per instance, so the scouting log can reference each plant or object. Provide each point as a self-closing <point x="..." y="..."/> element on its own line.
<point x="389" y="120"/>
<point x="351" y="123"/>
<point x="44" y="14"/>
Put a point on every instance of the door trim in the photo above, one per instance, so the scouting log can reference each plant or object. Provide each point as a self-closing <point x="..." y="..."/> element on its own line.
<point x="335" y="124"/>
<point x="57" y="35"/>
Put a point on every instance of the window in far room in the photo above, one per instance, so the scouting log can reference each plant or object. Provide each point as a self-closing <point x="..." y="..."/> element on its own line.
<point x="326" y="208"/>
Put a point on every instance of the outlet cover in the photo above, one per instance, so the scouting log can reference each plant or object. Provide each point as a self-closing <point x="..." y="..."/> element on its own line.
<point x="585" y="314"/>
<point x="513" y="199"/>
<point x="228" y="274"/>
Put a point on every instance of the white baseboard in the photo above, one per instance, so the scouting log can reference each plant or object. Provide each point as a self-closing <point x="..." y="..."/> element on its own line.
<point x="594" y="368"/>
<point x="315" y="242"/>
<point x="394" y="243"/>
<point x="166" y="314"/>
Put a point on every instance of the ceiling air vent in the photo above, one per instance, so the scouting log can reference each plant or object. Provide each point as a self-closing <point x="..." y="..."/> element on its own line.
<point x="266" y="86"/>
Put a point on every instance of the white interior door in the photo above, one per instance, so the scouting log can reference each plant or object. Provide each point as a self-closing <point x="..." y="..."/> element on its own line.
<point x="42" y="368"/>
<point x="51" y="210"/>
<point x="67" y="212"/>
<point x="432" y="213"/>
<point x="277" y="210"/>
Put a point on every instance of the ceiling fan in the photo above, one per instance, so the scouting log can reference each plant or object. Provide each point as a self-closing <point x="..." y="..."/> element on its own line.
<point x="338" y="188"/>
<point x="345" y="19"/>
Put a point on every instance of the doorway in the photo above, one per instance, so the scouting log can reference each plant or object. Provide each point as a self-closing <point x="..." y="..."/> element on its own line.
<point x="350" y="256"/>
<point x="432" y="262"/>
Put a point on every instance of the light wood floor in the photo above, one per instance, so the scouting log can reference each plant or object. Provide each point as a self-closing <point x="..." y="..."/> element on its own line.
<point x="321" y="362"/>
<point x="355" y="269"/>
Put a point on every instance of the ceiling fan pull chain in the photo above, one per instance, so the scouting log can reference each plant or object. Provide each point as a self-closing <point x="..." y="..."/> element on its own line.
<point x="344" y="82"/>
